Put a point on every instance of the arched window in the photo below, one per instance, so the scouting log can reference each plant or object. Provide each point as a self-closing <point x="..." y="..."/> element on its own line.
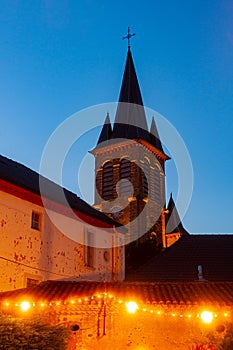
<point x="125" y="174"/>
<point x="108" y="181"/>
<point x="146" y="177"/>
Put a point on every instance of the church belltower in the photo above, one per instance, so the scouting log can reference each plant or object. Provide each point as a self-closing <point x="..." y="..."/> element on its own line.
<point x="130" y="170"/>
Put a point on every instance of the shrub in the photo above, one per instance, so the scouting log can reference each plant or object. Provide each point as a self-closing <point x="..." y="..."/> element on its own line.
<point x="18" y="334"/>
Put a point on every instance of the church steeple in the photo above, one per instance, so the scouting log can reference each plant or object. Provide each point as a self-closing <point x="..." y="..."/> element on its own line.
<point x="130" y="90"/>
<point x="130" y="164"/>
<point x="130" y="120"/>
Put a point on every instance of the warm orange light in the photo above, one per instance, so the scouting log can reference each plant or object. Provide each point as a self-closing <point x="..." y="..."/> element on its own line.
<point x="132" y="307"/>
<point x="25" y="306"/>
<point x="225" y="314"/>
<point x="207" y="316"/>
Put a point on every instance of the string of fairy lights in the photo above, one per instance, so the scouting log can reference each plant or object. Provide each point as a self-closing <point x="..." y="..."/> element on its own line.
<point x="207" y="315"/>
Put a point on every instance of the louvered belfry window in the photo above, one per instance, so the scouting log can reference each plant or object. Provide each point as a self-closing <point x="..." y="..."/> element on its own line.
<point x="125" y="174"/>
<point x="108" y="181"/>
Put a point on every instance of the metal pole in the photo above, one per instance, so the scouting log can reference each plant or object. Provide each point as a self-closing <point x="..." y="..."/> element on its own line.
<point x="104" y="325"/>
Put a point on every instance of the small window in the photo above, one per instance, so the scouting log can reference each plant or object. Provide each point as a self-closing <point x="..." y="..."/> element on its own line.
<point x="35" y="224"/>
<point x="32" y="282"/>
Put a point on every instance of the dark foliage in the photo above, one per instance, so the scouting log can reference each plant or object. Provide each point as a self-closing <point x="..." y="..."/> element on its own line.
<point x="227" y="343"/>
<point x="18" y="334"/>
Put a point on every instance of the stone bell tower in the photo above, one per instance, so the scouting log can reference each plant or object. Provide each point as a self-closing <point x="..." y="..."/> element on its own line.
<point x="130" y="170"/>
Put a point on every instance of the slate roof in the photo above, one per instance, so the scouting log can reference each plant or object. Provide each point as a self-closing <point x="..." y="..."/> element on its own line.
<point x="173" y="222"/>
<point x="180" y="261"/>
<point x="106" y="132"/>
<point x="130" y="90"/>
<point x="154" y="136"/>
<point x="28" y="179"/>
<point x="182" y="293"/>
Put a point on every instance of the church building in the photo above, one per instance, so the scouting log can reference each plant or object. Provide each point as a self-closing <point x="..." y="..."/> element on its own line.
<point x="129" y="192"/>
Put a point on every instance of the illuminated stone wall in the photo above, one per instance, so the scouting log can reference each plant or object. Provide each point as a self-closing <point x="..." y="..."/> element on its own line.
<point x="146" y="331"/>
<point x="104" y="321"/>
<point x="29" y="255"/>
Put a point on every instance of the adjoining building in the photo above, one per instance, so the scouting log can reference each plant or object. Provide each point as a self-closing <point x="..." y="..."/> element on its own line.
<point x="33" y="249"/>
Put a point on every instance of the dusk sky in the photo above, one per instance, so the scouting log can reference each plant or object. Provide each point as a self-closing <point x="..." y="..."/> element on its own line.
<point x="58" y="57"/>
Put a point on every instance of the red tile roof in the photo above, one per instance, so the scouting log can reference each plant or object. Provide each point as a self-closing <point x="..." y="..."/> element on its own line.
<point x="182" y="293"/>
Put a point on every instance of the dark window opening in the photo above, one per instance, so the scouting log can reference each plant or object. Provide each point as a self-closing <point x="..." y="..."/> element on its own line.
<point x="35" y="222"/>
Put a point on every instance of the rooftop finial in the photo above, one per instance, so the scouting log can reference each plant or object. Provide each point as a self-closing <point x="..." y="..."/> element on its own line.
<point x="128" y="36"/>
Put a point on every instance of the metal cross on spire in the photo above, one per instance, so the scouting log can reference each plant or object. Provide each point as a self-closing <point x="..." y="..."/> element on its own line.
<point x="128" y="37"/>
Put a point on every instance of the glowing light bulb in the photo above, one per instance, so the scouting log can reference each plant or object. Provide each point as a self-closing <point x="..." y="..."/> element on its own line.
<point x="25" y="306"/>
<point x="132" y="307"/>
<point x="207" y="316"/>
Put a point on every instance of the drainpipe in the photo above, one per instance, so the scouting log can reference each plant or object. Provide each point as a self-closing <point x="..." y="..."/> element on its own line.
<point x="163" y="222"/>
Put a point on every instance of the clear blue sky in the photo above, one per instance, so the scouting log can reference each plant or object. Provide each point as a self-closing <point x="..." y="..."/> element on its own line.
<point x="57" y="57"/>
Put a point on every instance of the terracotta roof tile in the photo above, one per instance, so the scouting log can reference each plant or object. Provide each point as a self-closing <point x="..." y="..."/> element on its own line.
<point x="163" y="293"/>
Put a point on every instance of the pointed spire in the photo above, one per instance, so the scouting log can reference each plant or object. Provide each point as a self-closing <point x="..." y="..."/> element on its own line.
<point x="154" y="135"/>
<point x="106" y="132"/>
<point x="130" y="121"/>
<point x="173" y="222"/>
<point x="130" y="90"/>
